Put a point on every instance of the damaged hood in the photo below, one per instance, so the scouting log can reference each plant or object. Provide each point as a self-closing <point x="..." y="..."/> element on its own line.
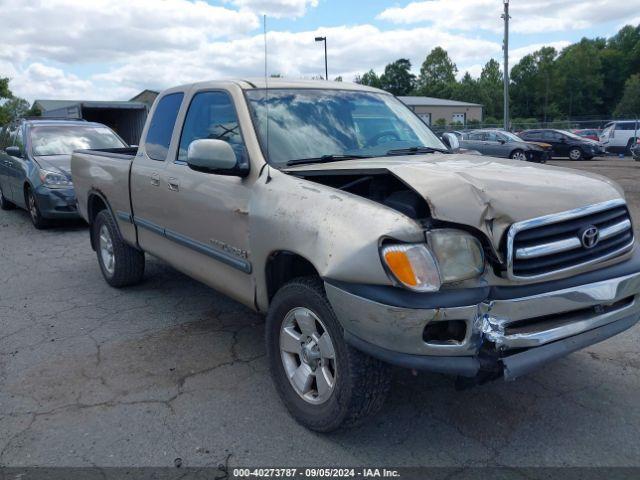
<point x="485" y="193"/>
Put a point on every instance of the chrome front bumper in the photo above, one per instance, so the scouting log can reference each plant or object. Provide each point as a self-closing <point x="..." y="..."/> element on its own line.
<point x="503" y="327"/>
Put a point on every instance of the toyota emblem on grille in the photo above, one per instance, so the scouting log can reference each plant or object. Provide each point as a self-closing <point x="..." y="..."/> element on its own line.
<point x="590" y="237"/>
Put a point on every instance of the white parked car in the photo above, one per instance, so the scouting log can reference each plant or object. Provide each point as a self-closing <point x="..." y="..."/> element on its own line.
<point x="619" y="136"/>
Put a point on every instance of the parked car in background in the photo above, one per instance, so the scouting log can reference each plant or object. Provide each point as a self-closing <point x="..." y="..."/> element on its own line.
<point x="564" y="144"/>
<point x="590" y="133"/>
<point x="35" y="165"/>
<point x="620" y="136"/>
<point x="499" y="143"/>
<point x="365" y="243"/>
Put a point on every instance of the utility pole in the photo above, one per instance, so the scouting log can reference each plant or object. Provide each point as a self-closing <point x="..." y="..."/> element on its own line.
<point x="505" y="47"/>
<point x="326" y="67"/>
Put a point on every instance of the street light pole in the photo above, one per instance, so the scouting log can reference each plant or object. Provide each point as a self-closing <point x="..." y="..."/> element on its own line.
<point x="505" y="47"/>
<point x="326" y="67"/>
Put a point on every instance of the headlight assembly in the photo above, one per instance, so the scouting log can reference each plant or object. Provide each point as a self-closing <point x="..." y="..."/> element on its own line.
<point x="413" y="266"/>
<point x="54" y="179"/>
<point x="459" y="254"/>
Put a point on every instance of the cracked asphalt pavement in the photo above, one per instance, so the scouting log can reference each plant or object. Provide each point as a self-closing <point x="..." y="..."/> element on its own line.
<point x="90" y="375"/>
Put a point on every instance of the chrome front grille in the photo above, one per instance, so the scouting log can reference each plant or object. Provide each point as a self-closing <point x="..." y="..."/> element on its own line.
<point x="557" y="243"/>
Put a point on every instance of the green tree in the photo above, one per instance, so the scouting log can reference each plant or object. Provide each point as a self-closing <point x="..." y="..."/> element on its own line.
<point x="580" y="79"/>
<point x="491" y="89"/>
<point x="627" y="41"/>
<point x="630" y="103"/>
<point x="4" y="88"/>
<point x="13" y="109"/>
<point x="467" y="90"/>
<point x="615" y="72"/>
<point x="437" y="75"/>
<point x="523" y="86"/>
<point x="370" y="79"/>
<point x="397" y="78"/>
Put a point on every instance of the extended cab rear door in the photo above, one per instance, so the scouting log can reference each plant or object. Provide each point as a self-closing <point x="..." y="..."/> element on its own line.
<point x="149" y="176"/>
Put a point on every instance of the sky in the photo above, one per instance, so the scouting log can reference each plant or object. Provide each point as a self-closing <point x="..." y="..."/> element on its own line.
<point x="113" y="49"/>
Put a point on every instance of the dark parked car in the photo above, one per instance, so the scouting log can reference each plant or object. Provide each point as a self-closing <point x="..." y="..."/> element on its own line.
<point x="35" y="165"/>
<point x="565" y="144"/>
<point x="499" y="143"/>
<point x="590" y="133"/>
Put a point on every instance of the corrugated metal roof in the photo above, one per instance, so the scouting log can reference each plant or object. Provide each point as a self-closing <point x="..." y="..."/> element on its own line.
<point x="47" y="105"/>
<point x="435" y="102"/>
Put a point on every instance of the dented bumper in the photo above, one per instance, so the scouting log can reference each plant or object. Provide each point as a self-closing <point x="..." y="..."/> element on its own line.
<point x="508" y="331"/>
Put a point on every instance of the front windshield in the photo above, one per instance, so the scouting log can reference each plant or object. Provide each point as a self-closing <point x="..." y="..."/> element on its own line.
<point x="64" y="139"/>
<point x="314" y="123"/>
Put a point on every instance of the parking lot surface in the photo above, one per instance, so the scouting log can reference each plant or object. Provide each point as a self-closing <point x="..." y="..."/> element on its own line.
<point x="169" y="369"/>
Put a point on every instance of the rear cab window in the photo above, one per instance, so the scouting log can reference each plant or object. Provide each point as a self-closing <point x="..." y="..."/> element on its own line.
<point x="161" y="127"/>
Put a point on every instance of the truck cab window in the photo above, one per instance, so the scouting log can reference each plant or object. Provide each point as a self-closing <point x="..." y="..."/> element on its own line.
<point x="161" y="127"/>
<point x="212" y="115"/>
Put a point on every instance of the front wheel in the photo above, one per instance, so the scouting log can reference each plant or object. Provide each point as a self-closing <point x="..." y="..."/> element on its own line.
<point x="34" y="210"/>
<point x="324" y="383"/>
<point x="121" y="264"/>
<point x="575" y="154"/>
<point x="518" y="155"/>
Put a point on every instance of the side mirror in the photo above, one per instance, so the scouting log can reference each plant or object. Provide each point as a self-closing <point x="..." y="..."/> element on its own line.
<point x="451" y="141"/>
<point x="214" y="156"/>
<point x="13" y="151"/>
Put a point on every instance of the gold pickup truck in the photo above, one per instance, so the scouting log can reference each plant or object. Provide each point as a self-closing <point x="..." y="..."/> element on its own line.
<point x="366" y="241"/>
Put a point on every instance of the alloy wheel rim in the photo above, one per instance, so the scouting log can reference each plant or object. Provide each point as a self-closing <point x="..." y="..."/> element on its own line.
<point x="106" y="250"/>
<point x="33" y="209"/>
<point x="308" y="355"/>
<point x="519" y="156"/>
<point x="574" y="154"/>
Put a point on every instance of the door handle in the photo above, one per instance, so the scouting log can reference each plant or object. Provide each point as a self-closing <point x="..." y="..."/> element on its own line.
<point x="155" y="179"/>
<point x="173" y="184"/>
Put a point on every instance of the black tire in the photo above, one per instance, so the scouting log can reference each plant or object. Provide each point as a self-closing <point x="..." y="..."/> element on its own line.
<point x="4" y="203"/>
<point x="33" y="209"/>
<point x="627" y="151"/>
<point x="128" y="265"/>
<point x="577" y="154"/>
<point x="361" y="382"/>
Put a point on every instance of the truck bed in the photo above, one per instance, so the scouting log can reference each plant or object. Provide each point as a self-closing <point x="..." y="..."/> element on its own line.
<point x="105" y="172"/>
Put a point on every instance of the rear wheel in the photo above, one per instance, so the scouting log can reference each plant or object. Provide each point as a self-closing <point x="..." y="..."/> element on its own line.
<point x="121" y="264"/>
<point x="324" y="383"/>
<point x="575" y="154"/>
<point x="627" y="151"/>
<point x="34" y="210"/>
<point x="518" y="155"/>
<point x="4" y="203"/>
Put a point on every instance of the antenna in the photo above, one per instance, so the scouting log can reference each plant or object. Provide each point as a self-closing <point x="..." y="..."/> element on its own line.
<point x="266" y="94"/>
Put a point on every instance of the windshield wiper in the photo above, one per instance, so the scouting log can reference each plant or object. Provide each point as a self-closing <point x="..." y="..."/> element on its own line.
<point x="325" y="159"/>
<point x="414" y="150"/>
